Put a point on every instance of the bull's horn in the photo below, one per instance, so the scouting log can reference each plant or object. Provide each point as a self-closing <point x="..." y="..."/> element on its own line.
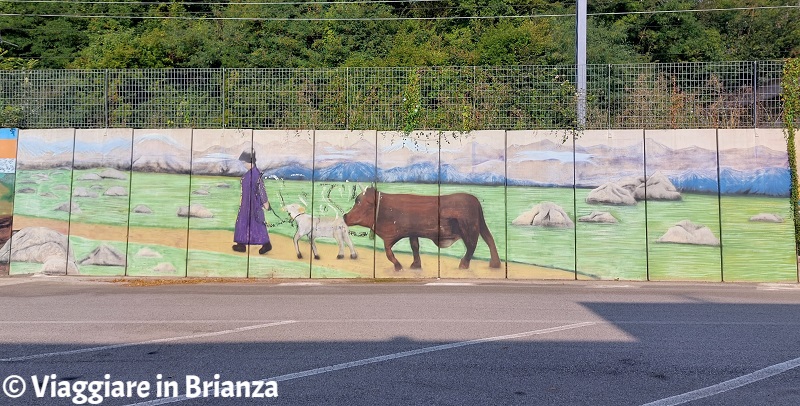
<point x="363" y="189"/>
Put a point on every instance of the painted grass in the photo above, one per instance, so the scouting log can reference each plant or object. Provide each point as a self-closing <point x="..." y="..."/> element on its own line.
<point x="627" y="250"/>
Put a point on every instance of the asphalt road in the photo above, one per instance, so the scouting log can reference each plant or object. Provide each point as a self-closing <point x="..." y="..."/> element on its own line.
<point x="406" y="343"/>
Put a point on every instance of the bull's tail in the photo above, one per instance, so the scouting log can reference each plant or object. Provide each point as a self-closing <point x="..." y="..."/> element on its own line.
<point x="494" y="262"/>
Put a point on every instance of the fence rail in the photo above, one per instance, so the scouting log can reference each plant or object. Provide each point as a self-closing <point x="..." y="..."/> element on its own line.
<point x="687" y="95"/>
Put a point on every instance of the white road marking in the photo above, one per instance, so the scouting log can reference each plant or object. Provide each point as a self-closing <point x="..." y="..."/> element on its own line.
<point x="388" y="357"/>
<point x="156" y="341"/>
<point x="727" y="385"/>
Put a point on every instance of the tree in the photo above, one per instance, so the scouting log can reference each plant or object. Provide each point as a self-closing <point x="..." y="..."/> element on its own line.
<point x="754" y="34"/>
<point x="528" y="43"/>
<point x="14" y="63"/>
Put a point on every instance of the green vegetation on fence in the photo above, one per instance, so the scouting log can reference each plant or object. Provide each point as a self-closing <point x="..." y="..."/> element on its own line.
<point x="791" y="100"/>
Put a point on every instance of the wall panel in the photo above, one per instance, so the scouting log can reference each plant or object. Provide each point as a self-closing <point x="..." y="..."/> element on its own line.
<point x="474" y="163"/>
<point x="43" y="202"/>
<point x="286" y="160"/>
<point x="101" y="180"/>
<point x="409" y="164"/>
<point x="683" y="227"/>
<point x="160" y="186"/>
<point x="342" y="161"/>
<point x="215" y="201"/>
<point x="541" y="201"/>
<point x="757" y="230"/>
<point x="611" y="238"/>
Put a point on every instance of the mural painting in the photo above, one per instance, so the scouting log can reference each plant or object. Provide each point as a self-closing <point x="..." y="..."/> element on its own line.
<point x="622" y="204"/>
<point x="8" y="166"/>
<point x="286" y="162"/>
<point x="160" y="187"/>
<point x="540" y="205"/>
<point x="682" y="193"/>
<point x="42" y="204"/>
<point x="757" y="231"/>
<point x="218" y="245"/>
<point x="100" y="200"/>
<point x="611" y="223"/>
<point x="344" y="162"/>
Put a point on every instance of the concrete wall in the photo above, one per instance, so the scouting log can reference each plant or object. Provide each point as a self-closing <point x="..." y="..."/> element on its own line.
<point x="630" y="204"/>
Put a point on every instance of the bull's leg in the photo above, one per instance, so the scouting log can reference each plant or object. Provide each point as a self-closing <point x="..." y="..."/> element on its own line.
<point x="387" y="245"/>
<point x="470" y="237"/>
<point x="296" y="246"/>
<point x="417" y="264"/>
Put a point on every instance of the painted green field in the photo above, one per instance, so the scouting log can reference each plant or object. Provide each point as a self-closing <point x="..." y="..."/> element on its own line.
<point x="627" y="250"/>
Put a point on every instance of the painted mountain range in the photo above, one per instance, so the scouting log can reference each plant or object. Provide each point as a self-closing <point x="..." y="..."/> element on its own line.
<point x="758" y="170"/>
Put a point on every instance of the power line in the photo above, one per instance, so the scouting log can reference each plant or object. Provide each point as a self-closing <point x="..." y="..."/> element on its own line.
<point x="322" y="19"/>
<point x="697" y="10"/>
<point x="150" y="17"/>
<point x="214" y="3"/>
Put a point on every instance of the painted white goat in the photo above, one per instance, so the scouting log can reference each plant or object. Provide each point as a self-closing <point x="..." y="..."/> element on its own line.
<point x="313" y="228"/>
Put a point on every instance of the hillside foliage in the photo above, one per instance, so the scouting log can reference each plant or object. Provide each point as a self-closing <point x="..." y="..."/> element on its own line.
<point x="415" y="33"/>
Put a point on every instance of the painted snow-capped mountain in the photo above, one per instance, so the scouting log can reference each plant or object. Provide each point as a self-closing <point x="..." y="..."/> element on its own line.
<point x="160" y="153"/>
<point x="342" y="171"/>
<point x="291" y="171"/>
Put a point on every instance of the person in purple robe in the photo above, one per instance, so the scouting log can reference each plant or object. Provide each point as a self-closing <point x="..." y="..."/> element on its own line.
<point x="251" y="225"/>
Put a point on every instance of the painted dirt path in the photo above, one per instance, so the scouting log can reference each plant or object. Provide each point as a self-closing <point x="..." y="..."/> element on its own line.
<point x="283" y="249"/>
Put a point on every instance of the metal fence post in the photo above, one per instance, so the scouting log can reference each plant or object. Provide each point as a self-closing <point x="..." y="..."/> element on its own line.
<point x="224" y="94"/>
<point x="609" y="98"/>
<point x="349" y="108"/>
<point x="106" y="112"/>
<point x="755" y="94"/>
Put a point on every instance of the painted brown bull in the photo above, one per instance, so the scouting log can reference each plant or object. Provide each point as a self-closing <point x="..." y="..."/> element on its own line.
<point x="442" y="219"/>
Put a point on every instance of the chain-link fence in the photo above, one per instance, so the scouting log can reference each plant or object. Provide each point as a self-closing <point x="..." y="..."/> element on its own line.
<point x="686" y="95"/>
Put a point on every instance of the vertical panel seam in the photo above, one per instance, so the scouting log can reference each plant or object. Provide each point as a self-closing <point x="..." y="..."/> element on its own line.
<point x="189" y="193"/>
<point x="646" y="217"/>
<point x="313" y="193"/>
<point x="69" y="218"/>
<point x="130" y="196"/>
<point x="719" y="214"/>
<point x="505" y="201"/>
<point x="574" y="209"/>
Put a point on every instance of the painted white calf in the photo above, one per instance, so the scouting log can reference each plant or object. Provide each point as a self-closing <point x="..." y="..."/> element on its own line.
<point x="313" y="228"/>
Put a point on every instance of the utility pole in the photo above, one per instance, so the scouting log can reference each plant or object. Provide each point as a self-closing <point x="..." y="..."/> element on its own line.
<point x="580" y="60"/>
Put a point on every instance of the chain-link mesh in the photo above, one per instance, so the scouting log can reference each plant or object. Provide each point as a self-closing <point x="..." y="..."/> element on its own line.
<point x="164" y="98"/>
<point x="684" y="95"/>
<point x="52" y="99"/>
<point x="375" y="97"/>
<point x="769" y="107"/>
<point x="284" y="99"/>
